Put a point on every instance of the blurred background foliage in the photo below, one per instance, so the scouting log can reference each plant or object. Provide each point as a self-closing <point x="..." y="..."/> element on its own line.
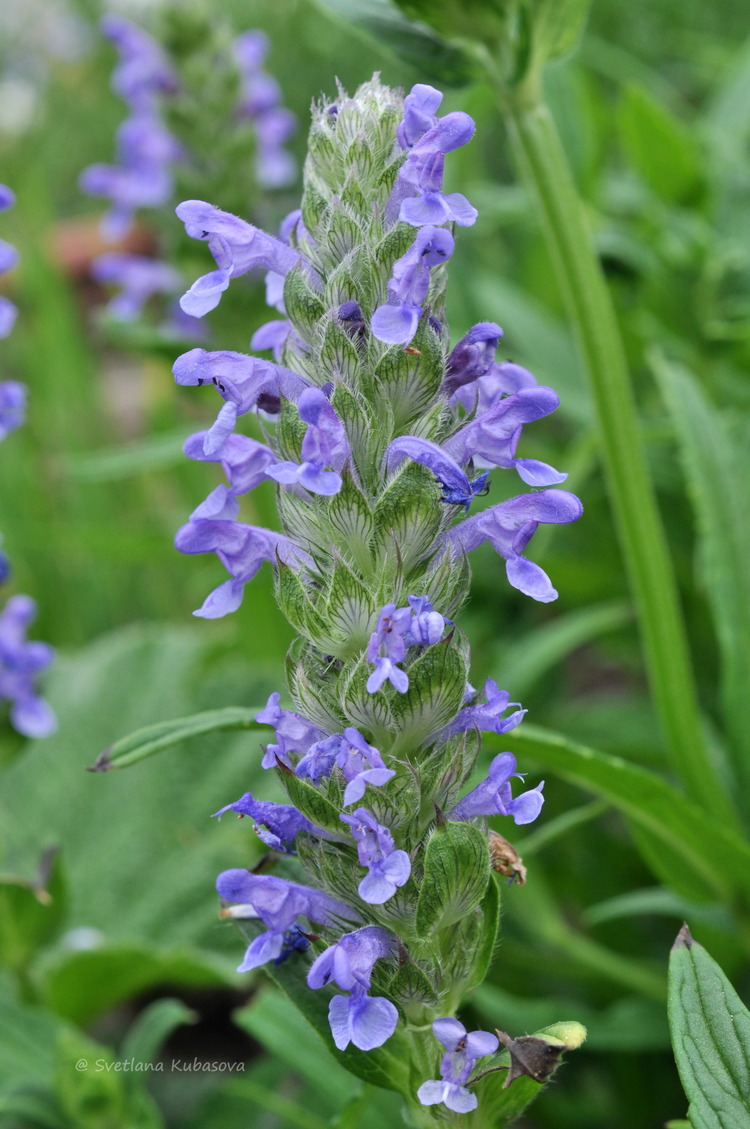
<point x="654" y="112"/>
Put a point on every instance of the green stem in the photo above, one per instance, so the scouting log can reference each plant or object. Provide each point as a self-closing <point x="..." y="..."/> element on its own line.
<point x="544" y="166"/>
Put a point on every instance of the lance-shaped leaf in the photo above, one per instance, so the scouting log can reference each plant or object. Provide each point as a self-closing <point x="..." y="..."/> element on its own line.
<point x="165" y="734"/>
<point x="456" y="873"/>
<point x="711" y="1038"/>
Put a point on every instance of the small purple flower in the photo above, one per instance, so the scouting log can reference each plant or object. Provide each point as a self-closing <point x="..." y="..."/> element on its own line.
<point x="20" y="663"/>
<point x="427" y="625"/>
<point x="501" y="379"/>
<point x="241" y="382"/>
<point x="462" y="1051"/>
<point x="388" y="867"/>
<point x="387" y="647"/>
<point x="494" y="797"/>
<point x="278" y="904"/>
<point x="139" y="277"/>
<point x="361" y="765"/>
<point x="420" y="109"/>
<point x="276" y="825"/>
<point x="242" y="549"/>
<point x="457" y="489"/>
<point x="320" y="759"/>
<point x="365" y="1021"/>
<point x="509" y="527"/>
<point x="288" y="725"/>
<point x="237" y="247"/>
<point x="487" y="717"/>
<point x="141" y="178"/>
<point x="324" y="444"/>
<point x="12" y="406"/>
<point x="396" y="323"/>
<point x="244" y="460"/>
<point x="418" y="192"/>
<point x="492" y="437"/>
<point x="472" y="356"/>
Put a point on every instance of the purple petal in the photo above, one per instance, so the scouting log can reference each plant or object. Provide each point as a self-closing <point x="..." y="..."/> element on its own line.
<point x="449" y="1032"/>
<point x="395" y="325"/>
<point x="371" y="1021"/>
<point x="530" y="579"/>
<point x="266" y="947"/>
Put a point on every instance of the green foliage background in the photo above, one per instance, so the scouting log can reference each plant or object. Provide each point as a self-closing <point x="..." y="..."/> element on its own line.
<point x="654" y="113"/>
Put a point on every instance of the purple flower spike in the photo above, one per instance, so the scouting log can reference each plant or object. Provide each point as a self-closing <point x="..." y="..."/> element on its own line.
<point x="276" y="825"/>
<point x="462" y="1051"/>
<point x="143" y="71"/>
<point x="12" y="406"/>
<point x="510" y="526"/>
<point x="388" y="868"/>
<point x="278" y="904"/>
<point x="20" y="663"/>
<point x="237" y="247"/>
<point x="494" y="797"/>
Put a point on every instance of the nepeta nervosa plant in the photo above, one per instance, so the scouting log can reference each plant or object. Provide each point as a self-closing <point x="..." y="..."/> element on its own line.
<point x="379" y="437"/>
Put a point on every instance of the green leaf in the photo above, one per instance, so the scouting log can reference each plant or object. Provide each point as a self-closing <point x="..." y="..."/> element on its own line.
<point x="118" y="973"/>
<point x="153" y="1025"/>
<point x="166" y="734"/>
<point x="681" y="827"/>
<point x="31" y="912"/>
<point x="659" y="146"/>
<point x="522" y="663"/>
<point x="311" y="802"/>
<point x="711" y="1038"/>
<point x="490" y="925"/>
<point x="714" y="460"/>
<point x="456" y="873"/>
<point x="413" y="42"/>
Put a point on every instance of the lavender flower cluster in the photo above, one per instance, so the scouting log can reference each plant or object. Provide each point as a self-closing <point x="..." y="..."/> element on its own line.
<point x="374" y="429"/>
<point x="148" y="154"/>
<point x="20" y="660"/>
